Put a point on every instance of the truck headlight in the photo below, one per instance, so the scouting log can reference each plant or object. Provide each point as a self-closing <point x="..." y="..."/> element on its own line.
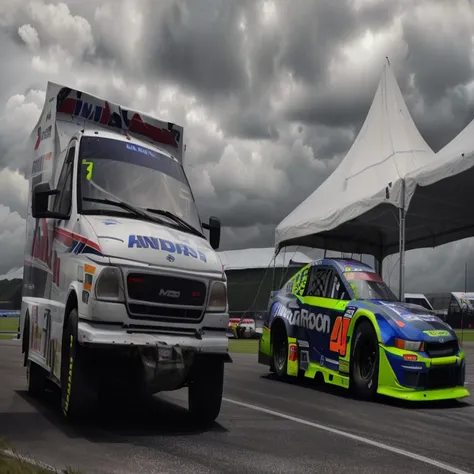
<point x="109" y="285"/>
<point x="217" y="302"/>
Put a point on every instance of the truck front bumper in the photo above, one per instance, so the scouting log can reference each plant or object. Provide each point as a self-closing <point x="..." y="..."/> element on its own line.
<point x="157" y="362"/>
<point x="104" y="335"/>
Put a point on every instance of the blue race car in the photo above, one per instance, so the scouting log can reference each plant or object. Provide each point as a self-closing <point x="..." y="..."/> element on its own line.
<point x="336" y="318"/>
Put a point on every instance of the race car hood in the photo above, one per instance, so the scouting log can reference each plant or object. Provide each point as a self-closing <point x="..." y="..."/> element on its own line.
<point x="154" y="244"/>
<point x="413" y="322"/>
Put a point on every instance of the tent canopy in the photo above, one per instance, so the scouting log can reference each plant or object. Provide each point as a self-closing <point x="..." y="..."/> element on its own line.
<point x="439" y="195"/>
<point x="355" y="209"/>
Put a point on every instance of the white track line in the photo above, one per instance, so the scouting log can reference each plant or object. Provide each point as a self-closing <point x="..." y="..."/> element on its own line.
<point x="20" y="457"/>
<point x="361" y="439"/>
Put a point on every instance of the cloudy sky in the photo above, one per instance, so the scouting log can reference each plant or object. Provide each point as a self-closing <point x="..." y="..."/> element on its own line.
<point x="271" y="95"/>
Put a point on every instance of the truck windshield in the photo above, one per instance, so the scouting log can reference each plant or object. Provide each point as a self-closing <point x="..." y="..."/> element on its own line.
<point x="137" y="175"/>
<point x="369" y="286"/>
<point x="418" y="301"/>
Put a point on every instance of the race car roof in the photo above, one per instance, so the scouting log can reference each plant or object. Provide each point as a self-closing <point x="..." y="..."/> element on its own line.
<point x="346" y="264"/>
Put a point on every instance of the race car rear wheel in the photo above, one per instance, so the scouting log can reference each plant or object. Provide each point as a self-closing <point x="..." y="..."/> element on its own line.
<point x="365" y="361"/>
<point x="280" y="353"/>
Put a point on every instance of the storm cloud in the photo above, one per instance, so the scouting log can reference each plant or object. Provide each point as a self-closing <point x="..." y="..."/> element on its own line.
<point x="271" y="95"/>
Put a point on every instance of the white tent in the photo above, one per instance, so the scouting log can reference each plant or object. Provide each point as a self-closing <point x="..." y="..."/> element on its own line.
<point x="354" y="210"/>
<point x="439" y="195"/>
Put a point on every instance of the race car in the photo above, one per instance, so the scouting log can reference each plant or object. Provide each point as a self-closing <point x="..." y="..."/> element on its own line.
<point x="337" y="319"/>
<point x="241" y="328"/>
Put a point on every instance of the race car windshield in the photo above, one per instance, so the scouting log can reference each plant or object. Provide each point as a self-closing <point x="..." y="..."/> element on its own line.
<point x="369" y="286"/>
<point x="137" y="175"/>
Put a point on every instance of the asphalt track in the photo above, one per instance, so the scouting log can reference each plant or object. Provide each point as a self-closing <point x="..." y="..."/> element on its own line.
<point x="265" y="426"/>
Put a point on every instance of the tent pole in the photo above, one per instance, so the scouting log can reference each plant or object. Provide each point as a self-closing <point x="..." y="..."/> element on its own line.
<point x="402" y="215"/>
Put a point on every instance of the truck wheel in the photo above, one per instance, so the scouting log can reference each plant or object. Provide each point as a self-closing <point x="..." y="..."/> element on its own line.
<point x="205" y="390"/>
<point x="78" y="384"/>
<point x="36" y="378"/>
<point x="280" y="353"/>
<point x="365" y="361"/>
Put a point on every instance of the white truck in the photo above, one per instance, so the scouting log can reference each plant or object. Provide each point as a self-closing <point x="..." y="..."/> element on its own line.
<point x="122" y="293"/>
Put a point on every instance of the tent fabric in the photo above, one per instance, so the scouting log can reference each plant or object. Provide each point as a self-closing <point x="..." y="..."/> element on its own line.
<point x="259" y="258"/>
<point x="439" y="195"/>
<point x="355" y="209"/>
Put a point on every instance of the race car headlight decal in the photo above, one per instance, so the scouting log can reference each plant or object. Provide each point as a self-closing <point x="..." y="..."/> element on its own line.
<point x="414" y="346"/>
<point x="217" y="298"/>
<point x="109" y="285"/>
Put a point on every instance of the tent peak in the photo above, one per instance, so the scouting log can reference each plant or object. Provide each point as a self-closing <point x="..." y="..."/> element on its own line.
<point x="339" y="215"/>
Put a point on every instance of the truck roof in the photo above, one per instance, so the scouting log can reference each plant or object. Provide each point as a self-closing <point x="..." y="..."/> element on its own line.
<point x="86" y="111"/>
<point x="96" y="131"/>
<point x="415" y="295"/>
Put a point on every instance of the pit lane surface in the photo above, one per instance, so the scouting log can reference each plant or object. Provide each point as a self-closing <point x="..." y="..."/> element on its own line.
<point x="159" y="439"/>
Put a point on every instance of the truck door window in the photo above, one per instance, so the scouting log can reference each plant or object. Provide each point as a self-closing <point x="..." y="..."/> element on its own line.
<point x="63" y="200"/>
<point x="454" y="306"/>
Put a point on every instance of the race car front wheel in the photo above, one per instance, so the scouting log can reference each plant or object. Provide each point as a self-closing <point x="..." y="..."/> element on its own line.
<point x="365" y="361"/>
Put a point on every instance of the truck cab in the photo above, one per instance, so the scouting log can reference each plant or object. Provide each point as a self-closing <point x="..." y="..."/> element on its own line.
<point x="125" y="292"/>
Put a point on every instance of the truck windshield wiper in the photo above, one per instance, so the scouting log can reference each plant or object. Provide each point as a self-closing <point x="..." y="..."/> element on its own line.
<point x="182" y="223"/>
<point x="123" y="205"/>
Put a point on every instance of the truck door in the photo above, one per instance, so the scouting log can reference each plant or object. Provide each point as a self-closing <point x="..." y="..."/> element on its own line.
<point x="63" y="230"/>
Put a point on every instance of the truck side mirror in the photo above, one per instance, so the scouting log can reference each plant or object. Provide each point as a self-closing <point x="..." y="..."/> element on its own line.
<point x="214" y="228"/>
<point x="40" y="202"/>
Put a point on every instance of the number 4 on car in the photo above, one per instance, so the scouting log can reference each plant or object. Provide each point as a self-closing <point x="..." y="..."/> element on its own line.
<point x="337" y="320"/>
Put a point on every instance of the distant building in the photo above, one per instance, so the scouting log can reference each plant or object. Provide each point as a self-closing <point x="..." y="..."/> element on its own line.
<point x="252" y="275"/>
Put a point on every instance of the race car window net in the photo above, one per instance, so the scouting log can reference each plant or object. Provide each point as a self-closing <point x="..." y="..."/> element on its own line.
<point x="325" y="283"/>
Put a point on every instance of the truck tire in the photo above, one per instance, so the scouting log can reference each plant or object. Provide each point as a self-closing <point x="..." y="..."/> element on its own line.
<point x="206" y="389"/>
<point x="36" y="378"/>
<point x="79" y="387"/>
<point x="364" y="364"/>
<point x="35" y="375"/>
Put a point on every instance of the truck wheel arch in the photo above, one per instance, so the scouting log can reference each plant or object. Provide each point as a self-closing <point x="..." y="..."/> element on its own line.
<point x="72" y="303"/>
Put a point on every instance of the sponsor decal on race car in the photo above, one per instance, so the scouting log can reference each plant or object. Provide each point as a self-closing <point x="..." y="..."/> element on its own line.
<point x="418" y="317"/>
<point x="438" y="333"/>
<point x="302" y="318"/>
<point x="350" y="310"/>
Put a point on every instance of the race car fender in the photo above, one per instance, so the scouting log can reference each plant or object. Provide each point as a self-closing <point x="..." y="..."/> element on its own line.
<point x="354" y="316"/>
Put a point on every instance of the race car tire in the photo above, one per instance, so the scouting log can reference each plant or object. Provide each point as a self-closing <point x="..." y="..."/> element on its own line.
<point x="280" y="353"/>
<point x="364" y="366"/>
<point x="206" y="387"/>
<point x="79" y="383"/>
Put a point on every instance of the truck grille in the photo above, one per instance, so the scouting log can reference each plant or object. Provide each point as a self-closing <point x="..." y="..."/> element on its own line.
<point x="166" y="290"/>
<point x="441" y="349"/>
<point x="169" y="298"/>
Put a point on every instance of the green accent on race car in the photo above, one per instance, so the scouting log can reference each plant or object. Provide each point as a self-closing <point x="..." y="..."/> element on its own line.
<point x="298" y="281"/>
<point x="265" y="343"/>
<point x="438" y="333"/>
<point x="389" y="386"/>
<point x="330" y="376"/>
<point x="292" y="366"/>
<point x="423" y="360"/>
